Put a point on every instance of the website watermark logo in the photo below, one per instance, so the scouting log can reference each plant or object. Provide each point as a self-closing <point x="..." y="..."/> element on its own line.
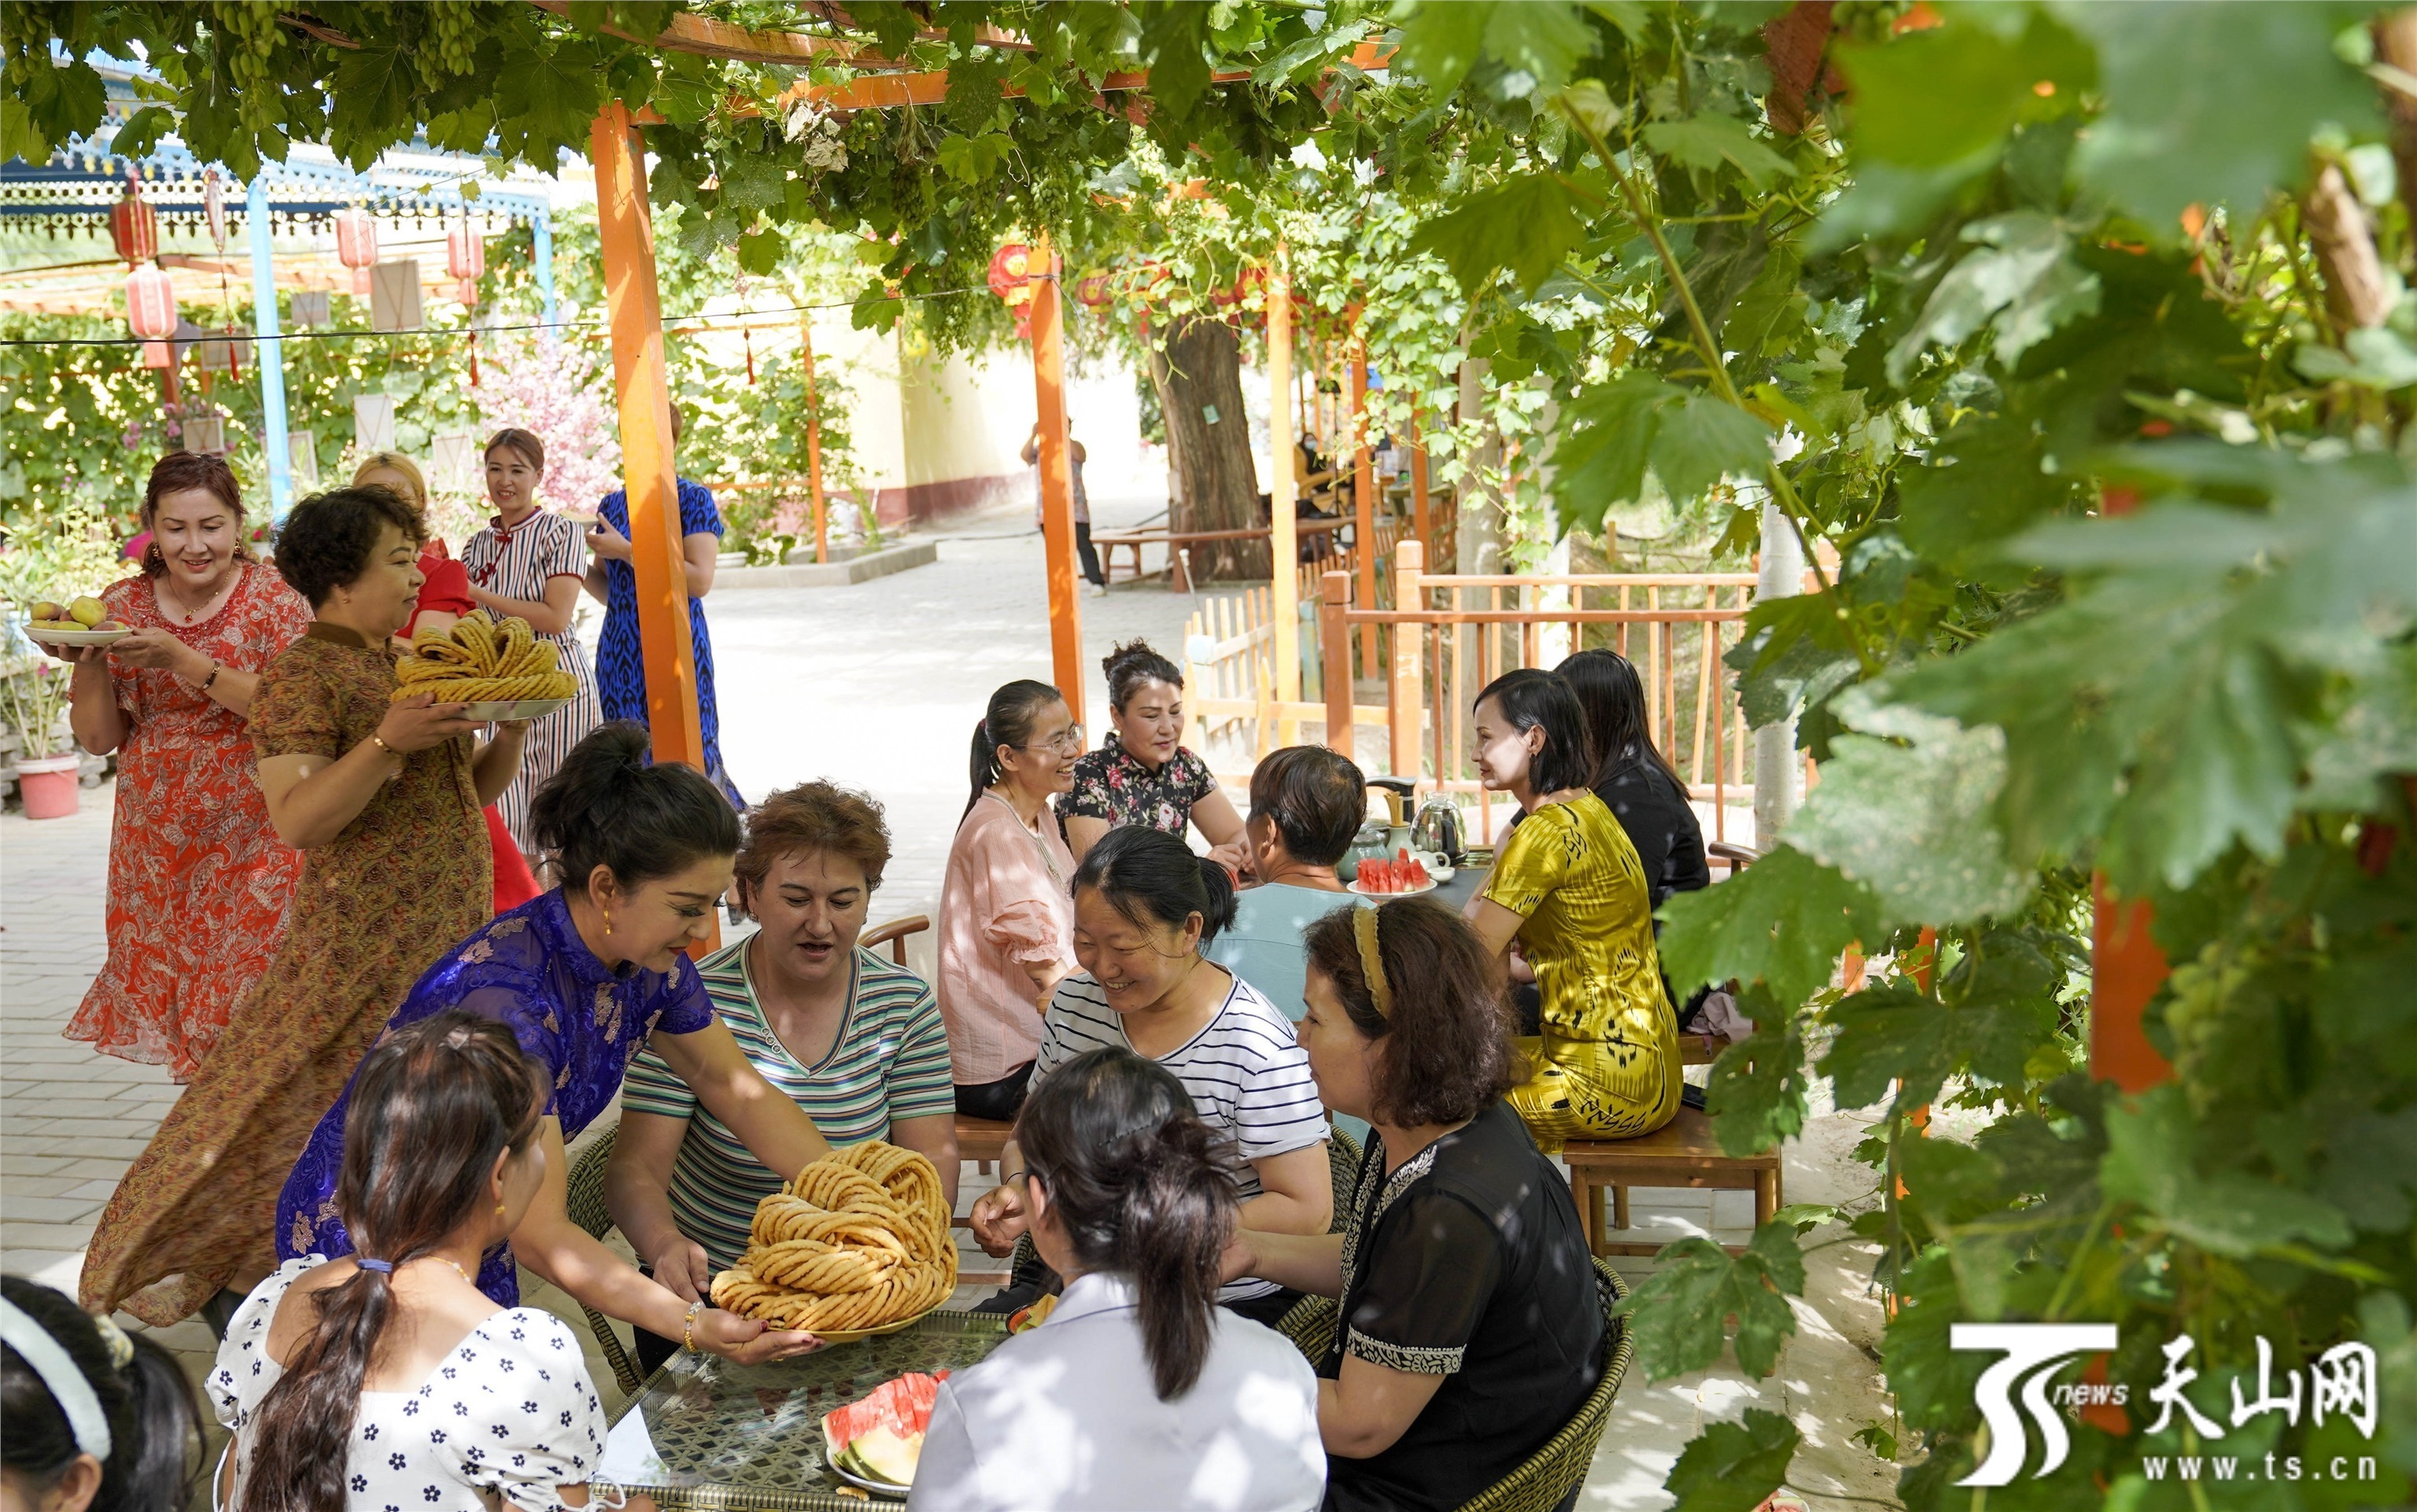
<point x="2019" y="1397"/>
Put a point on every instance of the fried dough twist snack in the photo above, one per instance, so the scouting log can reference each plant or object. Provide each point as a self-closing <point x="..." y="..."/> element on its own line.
<point x="856" y="1241"/>
<point x="480" y="660"/>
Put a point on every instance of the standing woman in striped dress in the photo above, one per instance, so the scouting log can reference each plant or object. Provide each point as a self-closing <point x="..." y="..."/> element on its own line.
<point x="529" y="564"/>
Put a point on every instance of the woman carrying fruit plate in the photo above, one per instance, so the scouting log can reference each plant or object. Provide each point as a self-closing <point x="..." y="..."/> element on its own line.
<point x="198" y="882"/>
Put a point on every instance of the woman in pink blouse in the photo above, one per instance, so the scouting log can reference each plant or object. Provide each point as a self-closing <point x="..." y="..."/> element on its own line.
<point x="1007" y="913"/>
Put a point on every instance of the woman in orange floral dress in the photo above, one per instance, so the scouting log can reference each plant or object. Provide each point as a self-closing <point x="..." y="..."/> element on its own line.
<point x="198" y="882"/>
<point x="381" y="798"/>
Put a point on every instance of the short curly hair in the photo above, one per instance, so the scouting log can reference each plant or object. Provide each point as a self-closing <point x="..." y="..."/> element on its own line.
<point x="1314" y="798"/>
<point x="813" y="816"/>
<point x="328" y="540"/>
<point x="1446" y="1051"/>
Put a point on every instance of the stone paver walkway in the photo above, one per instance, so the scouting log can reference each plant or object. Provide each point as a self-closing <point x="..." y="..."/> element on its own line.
<point x="877" y="686"/>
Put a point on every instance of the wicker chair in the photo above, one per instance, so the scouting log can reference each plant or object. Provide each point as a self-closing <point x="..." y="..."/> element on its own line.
<point x="586" y="1203"/>
<point x="1549" y="1474"/>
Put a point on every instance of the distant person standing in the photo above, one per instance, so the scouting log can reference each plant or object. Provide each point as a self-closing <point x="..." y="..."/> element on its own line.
<point x="528" y="565"/>
<point x="620" y="666"/>
<point x="1075" y="458"/>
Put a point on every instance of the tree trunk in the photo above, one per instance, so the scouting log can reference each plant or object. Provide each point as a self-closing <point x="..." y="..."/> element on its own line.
<point x="1197" y="372"/>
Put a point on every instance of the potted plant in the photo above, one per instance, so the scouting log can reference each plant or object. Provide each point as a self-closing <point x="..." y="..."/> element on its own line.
<point x="35" y="707"/>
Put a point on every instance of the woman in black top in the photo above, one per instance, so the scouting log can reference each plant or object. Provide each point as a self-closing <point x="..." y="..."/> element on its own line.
<point x="1471" y="1330"/>
<point x="1632" y="778"/>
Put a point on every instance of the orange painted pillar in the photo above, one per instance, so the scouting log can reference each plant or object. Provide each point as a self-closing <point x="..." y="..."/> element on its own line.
<point x="814" y="445"/>
<point x="1057" y="477"/>
<point x="1335" y="635"/>
<point x="1283" y="495"/>
<point x="626" y="233"/>
<point x="2126" y="967"/>
<point x="1363" y="500"/>
<point x="1422" y="515"/>
<point x="2126" y="970"/>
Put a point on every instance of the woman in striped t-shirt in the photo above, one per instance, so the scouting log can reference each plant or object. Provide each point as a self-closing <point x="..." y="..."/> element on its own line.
<point x="1144" y="908"/>
<point x="529" y="564"/>
<point x="856" y="1040"/>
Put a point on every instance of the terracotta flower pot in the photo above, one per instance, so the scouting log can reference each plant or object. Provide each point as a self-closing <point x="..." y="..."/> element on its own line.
<point x="49" y="786"/>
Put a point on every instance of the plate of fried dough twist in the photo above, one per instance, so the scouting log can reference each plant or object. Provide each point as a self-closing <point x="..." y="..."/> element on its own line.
<point x="856" y="1245"/>
<point x="498" y="667"/>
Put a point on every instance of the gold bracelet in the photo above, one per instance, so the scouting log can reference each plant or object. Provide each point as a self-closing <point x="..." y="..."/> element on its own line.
<point x="688" y="1324"/>
<point x="384" y="746"/>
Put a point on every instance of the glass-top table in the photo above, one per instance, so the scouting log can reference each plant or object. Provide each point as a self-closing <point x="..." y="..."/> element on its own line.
<point x="703" y="1433"/>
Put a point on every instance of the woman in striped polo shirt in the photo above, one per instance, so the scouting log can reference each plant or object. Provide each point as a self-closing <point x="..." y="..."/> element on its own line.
<point x="856" y="1040"/>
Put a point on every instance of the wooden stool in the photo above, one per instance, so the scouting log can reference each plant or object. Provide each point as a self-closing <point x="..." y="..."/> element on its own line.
<point x="1700" y="1050"/>
<point x="981" y="1140"/>
<point x="1681" y="1153"/>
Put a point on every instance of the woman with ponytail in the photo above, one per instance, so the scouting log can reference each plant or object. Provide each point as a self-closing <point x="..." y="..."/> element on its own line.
<point x="1473" y="1329"/>
<point x="1006" y="917"/>
<point x="1138" y="1390"/>
<point x="1145" y="907"/>
<point x="584" y="976"/>
<point x="90" y="1419"/>
<point x="389" y="1378"/>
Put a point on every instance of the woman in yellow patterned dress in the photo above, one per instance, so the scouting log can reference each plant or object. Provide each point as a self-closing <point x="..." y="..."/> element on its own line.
<point x="1569" y="888"/>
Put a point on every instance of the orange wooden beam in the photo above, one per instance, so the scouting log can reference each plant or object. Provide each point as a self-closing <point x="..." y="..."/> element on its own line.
<point x="1363" y="496"/>
<point x="815" y="445"/>
<point x="1057" y="475"/>
<point x="2126" y="970"/>
<point x="625" y="231"/>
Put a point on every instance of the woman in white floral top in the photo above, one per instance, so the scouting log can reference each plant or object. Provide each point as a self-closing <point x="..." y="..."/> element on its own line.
<point x="1143" y="775"/>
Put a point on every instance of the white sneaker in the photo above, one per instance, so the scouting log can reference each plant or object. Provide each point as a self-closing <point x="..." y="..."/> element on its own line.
<point x="1099" y="590"/>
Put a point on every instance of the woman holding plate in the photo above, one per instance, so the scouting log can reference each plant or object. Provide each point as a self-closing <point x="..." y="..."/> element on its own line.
<point x="586" y="976"/>
<point x="444" y="598"/>
<point x="382" y="798"/>
<point x="198" y="882"/>
<point x="528" y="563"/>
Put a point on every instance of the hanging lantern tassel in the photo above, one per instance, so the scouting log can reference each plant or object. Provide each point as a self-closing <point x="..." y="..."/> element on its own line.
<point x="234" y="358"/>
<point x="750" y="341"/>
<point x="473" y="356"/>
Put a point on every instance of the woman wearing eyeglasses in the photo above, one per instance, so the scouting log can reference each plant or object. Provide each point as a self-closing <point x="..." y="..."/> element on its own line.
<point x="1006" y="911"/>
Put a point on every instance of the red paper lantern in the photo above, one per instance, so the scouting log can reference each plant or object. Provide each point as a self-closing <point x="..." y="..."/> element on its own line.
<point x="466" y="291"/>
<point x="465" y="253"/>
<point x="133" y="225"/>
<point x="1010" y="266"/>
<point x="355" y="238"/>
<point x="151" y="313"/>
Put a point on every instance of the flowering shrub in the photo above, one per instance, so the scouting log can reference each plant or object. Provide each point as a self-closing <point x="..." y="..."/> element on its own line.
<point x="554" y="390"/>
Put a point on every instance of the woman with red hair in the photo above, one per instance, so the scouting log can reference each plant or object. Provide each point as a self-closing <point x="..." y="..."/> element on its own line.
<point x="198" y="882"/>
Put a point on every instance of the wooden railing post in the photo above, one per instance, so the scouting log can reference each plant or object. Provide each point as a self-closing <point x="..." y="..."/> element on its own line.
<point x="1363" y="495"/>
<point x="1334" y="638"/>
<point x="1408" y="701"/>
<point x="814" y="445"/>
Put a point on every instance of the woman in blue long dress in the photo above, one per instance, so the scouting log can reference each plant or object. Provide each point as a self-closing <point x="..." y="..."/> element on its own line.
<point x="586" y="975"/>
<point x="620" y="666"/>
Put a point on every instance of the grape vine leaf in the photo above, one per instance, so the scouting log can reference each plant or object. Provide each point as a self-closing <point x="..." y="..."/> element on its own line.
<point x="1527" y="223"/>
<point x="1988" y="480"/>
<point x="1783" y="921"/>
<point x="1706" y="141"/>
<point x="1933" y="99"/>
<point x="1757" y="1094"/>
<point x="1701" y="440"/>
<point x="2215" y="104"/>
<point x="1735" y="1466"/>
<point x="1679" y="1315"/>
<point x="1912" y="822"/>
<point x="2023" y="277"/>
<point x="2149" y="1161"/>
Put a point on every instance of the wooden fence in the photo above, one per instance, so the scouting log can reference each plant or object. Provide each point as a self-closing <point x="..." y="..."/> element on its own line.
<point x="1441" y="638"/>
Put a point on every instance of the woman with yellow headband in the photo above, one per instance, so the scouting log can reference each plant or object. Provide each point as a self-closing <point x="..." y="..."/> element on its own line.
<point x="1471" y="1329"/>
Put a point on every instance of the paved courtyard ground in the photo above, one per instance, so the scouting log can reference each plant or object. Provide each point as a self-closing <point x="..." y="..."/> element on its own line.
<point x="877" y="686"/>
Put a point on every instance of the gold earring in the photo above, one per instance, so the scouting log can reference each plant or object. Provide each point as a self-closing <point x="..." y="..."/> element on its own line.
<point x="499" y="1210"/>
<point x="608" y="923"/>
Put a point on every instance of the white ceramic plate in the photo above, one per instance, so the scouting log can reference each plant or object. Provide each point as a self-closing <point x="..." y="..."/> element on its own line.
<point x="48" y="636"/>
<point x="1398" y="892"/>
<point x="513" y="708"/>
<point x="882" y="1489"/>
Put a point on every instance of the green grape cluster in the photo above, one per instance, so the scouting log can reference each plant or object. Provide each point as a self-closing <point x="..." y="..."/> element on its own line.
<point x="452" y="37"/>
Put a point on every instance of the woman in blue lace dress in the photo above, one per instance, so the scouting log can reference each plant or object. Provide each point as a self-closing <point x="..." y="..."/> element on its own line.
<point x="586" y="975"/>
<point x="620" y="666"/>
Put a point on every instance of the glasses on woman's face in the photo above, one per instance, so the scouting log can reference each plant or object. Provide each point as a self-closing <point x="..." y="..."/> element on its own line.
<point x="1066" y="742"/>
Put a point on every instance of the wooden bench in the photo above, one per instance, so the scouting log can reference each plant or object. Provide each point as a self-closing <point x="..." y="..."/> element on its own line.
<point x="1681" y="1153"/>
<point x="1179" y="544"/>
<point x="982" y="1140"/>
<point x="893" y="934"/>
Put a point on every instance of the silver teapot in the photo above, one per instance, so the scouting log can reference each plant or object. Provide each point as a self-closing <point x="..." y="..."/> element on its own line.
<point x="1437" y="830"/>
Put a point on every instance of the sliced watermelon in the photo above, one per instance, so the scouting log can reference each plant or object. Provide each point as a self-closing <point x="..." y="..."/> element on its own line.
<point x="903" y="1406"/>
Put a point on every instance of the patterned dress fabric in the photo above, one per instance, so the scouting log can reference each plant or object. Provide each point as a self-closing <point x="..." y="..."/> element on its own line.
<point x="584" y="1020"/>
<point x="374" y="906"/>
<point x="1111" y="784"/>
<point x="517" y="562"/>
<point x="198" y="881"/>
<point x="621" y="666"/>
<point x="1469" y="1261"/>
<point x="1608" y="1067"/>
<point x="510" y="1411"/>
